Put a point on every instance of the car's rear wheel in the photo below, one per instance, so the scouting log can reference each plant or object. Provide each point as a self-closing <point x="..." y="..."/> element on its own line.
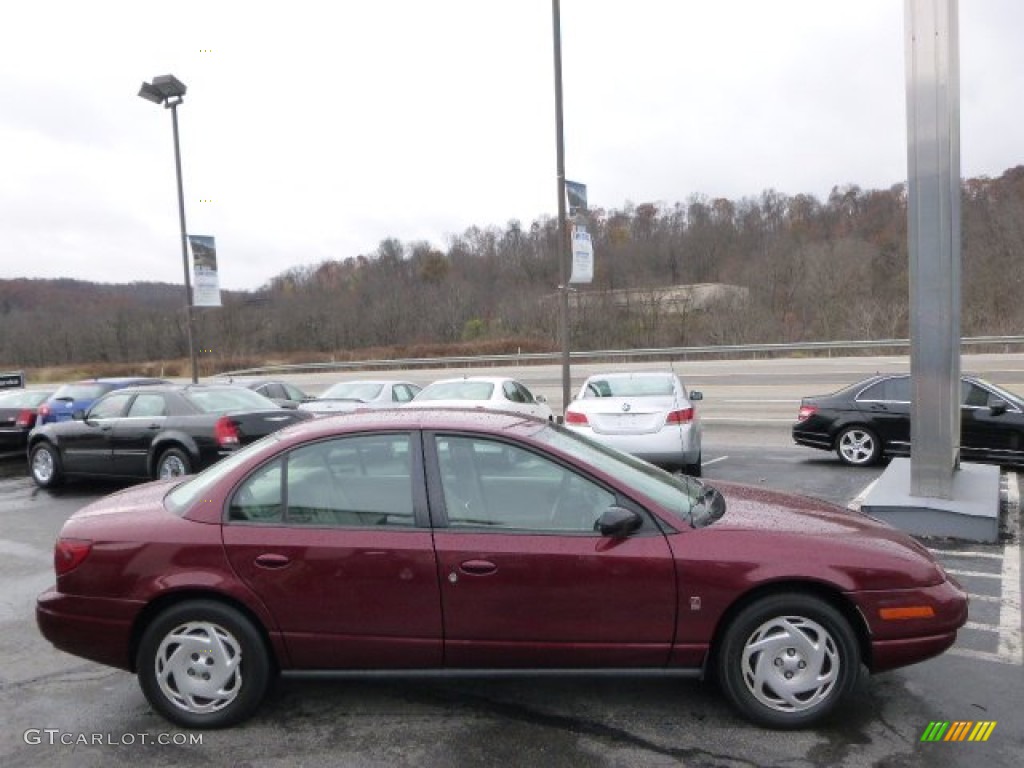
<point x="45" y="465"/>
<point x="787" y="660"/>
<point x="858" y="446"/>
<point x="202" y="664"/>
<point x="173" y="462"/>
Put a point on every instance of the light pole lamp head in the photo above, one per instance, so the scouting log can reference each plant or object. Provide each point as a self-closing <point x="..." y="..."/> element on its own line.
<point x="165" y="89"/>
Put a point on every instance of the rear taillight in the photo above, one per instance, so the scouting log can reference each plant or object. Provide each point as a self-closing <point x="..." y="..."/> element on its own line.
<point x="682" y="416"/>
<point x="25" y="418"/>
<point x="68" y="554"/>
<point x="575" y="417"/>
<point x="806" y="411"/>
<point x="226" y="432"/>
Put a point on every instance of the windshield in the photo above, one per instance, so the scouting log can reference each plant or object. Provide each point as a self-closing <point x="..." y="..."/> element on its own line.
<point x="676" y="493"/>
<point x="1008" y="396"/>
<point x="183" y="496"/>
<point x="353" y="390"/>
<point x="457" y="390"/>
<point x="226" y="399"/>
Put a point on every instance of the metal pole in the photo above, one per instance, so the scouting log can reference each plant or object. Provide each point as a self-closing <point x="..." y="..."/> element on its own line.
<point x="563" y="234"/>
<point x="189" y="322"/>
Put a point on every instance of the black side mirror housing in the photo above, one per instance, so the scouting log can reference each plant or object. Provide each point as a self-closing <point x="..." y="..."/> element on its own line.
<point x="696" y="395"/>
<point x="997" y="407"/>
<point x="617" y="522"/>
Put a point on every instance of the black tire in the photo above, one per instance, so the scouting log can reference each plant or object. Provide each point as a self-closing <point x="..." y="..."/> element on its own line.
<point x="173" y="462"/>
<point x="858" y="446"/>
<point x="693" y="470"/>
<point x="45" y="466"/>
<point x="226" y="651"/>
<point x="788" y="641"/>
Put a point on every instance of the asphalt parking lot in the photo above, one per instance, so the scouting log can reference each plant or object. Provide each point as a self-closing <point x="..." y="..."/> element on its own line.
<point x="60" y="710"/>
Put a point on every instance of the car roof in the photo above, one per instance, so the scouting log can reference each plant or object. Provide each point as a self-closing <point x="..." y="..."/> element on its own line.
<point x="441" y="419"/>
<point x="121" y="380"/>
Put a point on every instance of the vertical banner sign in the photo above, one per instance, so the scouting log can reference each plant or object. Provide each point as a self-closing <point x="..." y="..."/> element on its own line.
<point x="582" y="256"/>
<point x="205" y="285"/>
<point x="576" y="195"/>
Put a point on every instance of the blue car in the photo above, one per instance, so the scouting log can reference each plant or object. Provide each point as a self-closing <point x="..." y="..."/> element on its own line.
<point x="79" y="395"/>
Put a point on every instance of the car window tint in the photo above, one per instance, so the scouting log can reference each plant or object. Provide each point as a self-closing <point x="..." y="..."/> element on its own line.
<point x="894" y="390"/>
<point x="510" y="392"/>
<point x="496" y="485"/>
<point x="292" y="393"/>
<point x="80" y="391"/>
<point x="351" y="482"/>
<point x="109" y="407"/>
<point x="525" y="396"/>
<point x="458" y="390"/>
<point x="22" y="398"/>
<point x="228" y="399"/>
<point x="353" y="390"/>
<point x="973" y="395"/>
<point x="629" y="386"/>
<point x="148" y="405"/>
<point x="258" y="499"/>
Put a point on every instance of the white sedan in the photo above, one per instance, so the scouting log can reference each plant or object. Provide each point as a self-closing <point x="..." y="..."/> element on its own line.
<point x="649" y="415"/>
<point x="350" y="396"/>
<point x="486" y="392"/>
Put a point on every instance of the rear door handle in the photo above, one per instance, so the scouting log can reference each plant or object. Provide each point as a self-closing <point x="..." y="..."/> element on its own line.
<point x="272" y="561"/>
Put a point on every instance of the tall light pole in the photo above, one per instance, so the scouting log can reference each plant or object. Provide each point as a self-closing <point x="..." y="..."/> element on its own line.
<point x="563" y="235"/>
<point x="170" y="91"/>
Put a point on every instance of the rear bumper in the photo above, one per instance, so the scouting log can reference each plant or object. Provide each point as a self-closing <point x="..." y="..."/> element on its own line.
<point x="811" y="439"/>
<point x="667" y="446"/>
<point x="98" y="629"/>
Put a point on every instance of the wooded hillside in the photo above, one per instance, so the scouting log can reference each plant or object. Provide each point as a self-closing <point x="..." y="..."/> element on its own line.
<point x="811" y="270"/>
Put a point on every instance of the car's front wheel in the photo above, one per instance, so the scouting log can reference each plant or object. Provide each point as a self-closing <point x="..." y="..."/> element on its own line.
<point x="202" y="664"/>
<point x="44" y="463"/>
<point x="787" y="660"/>
<point x="858" y="446"/>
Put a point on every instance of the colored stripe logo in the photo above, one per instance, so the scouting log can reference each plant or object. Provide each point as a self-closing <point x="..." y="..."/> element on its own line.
<point x="958" y="730"/>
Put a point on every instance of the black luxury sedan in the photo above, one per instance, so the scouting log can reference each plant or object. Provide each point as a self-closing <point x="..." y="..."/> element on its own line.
<point x="871" y="419"/>
<point x="156" y="431"/>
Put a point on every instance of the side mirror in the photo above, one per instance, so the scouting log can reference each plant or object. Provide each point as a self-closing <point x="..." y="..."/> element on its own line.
<point x="540" y="398"/>
<point x="78" y="415"/>
<point x="617" y="522"/>
<point x="695" y="395"/>
<point x="997" y="407"/>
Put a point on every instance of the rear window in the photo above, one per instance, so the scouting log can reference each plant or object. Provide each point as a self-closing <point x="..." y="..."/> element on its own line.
<point x="22" y="399"/>
<point x="354" y="390"/>
<point x="81" y="391"/>
<point x="640" y="386"/>
<point x="457" y="390"/>
<point x="224" y="400"/>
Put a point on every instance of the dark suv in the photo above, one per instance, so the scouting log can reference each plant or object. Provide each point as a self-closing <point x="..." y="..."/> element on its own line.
<point x="79" y="395"/>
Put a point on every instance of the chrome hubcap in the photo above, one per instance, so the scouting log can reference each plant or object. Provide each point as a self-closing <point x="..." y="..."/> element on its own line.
<point x="198" y="667"/>
<point x="857" y="446"/>
<point x="42" y="465"/>
<point x="790" y="664"/>
<point x="172" y="466"/>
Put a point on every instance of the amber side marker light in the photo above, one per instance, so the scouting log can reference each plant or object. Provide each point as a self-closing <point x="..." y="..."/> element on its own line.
<point x="910" y="612"/>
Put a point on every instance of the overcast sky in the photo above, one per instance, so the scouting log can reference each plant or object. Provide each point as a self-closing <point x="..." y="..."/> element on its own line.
<point x="314" y="129"/>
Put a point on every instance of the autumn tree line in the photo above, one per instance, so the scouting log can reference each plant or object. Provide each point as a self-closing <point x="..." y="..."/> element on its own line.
<point x="812" y="270"/>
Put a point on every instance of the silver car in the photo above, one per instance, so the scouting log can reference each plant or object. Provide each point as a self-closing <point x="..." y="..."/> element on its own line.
<point x="649" y="415"/>
<point x="350" y="396"/>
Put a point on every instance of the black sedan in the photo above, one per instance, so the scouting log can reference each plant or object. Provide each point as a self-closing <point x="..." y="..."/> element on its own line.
<point x="871" y="419"/>
<point x="154" y="432"/>
<point x="19" y="409"/>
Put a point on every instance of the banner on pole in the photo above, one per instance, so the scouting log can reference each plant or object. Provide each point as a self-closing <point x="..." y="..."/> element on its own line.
<point x="576" y="196"/>
<point x="205" y="284"/>
<point x="582" y="256"/>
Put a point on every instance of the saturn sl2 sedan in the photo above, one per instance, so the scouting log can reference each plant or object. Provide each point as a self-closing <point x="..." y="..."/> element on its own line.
<point x="474" y="542"/>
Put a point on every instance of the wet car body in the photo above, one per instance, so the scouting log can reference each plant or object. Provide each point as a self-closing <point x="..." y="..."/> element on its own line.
<point x="572" y="557"/>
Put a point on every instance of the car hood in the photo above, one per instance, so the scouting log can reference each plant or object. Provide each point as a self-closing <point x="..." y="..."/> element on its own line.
<point x="801" y="530"/>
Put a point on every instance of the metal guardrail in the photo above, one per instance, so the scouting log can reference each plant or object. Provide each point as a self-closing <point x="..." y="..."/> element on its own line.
<point x="816" y="347"/>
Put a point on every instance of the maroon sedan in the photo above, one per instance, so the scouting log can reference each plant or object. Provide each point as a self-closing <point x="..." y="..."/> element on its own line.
<point x="465" y="542"/>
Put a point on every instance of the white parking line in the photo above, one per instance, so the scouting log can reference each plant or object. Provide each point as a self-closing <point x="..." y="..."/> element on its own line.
<point x="966" y="553"/>
<point x="858" y="500"/>
<point x="709" y="462"/>
<point x="976" y="574"/>
<point x="1010" y="644"/>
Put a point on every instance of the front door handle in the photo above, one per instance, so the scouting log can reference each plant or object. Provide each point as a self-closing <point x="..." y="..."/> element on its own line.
<point x="478" y="567"/>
